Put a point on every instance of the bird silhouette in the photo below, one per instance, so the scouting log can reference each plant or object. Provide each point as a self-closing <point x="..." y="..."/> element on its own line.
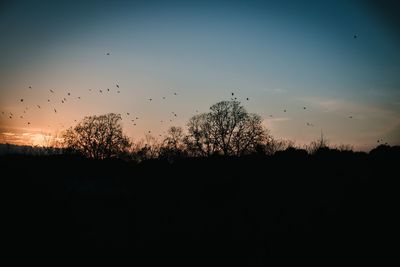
<point x="29" y="123"/>
<point x="175" y="94"/>
<point x="232" y="94"/>
<point x="107" y="54"/>
<point x="101" y="91"/>
<point x="51" y="91"/>
<point x="117" y="85"/>
<point x="108" y="89"/>
<point x="350" y="117"/>
<point x="69" y="93"/>
<point x="30" y="87"/>
<point x="355" y="36"/>
<point x="284" y="110"/>
<point x="127" y="113"/>
<point x="48" y="100"/>
<point x="38" y="106"/>
<point x="55" y="111"/>
<point x="304" y="107"/>
<point x="150" y="99"/>
<point x="118" y="92"/>
<point x="22" y="100"/>
<point x="247" y="98"/>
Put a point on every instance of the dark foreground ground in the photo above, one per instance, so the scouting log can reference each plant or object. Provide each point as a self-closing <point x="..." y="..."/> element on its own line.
<point x="248" y="211"/>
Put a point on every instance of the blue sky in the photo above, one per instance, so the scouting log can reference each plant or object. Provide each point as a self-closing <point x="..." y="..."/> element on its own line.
<point x="281" y="54"/>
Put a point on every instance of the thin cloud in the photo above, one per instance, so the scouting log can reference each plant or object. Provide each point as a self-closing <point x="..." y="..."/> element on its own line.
<point x="275" y="91"/>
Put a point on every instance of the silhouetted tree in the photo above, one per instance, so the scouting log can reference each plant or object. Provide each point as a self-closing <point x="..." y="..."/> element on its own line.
<point x="226" y="129"/>
<point x="173" y="144"/>
<point x="320" y="144"/>
<point x="199" y="141"/>
<point x="147" y="148"/>
<point x="98" y="137"/>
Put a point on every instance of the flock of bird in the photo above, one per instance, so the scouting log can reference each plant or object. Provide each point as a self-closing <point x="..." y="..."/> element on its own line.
<point x="67" y="97"/>
<point x="133" y="120"/>
<point x="64" y="99"/>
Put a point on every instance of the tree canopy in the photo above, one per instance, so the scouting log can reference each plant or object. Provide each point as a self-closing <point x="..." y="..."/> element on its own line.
<point x="98" y="137"/>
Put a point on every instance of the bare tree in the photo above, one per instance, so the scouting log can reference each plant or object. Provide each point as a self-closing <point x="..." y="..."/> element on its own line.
<point x="173" y="144"/>
<point x="226" y="129"/>
<point x="98" y="137"/>
<point x="199" y="141"/>
<point x="314" y="146"/>
<point x="147" y="148"/>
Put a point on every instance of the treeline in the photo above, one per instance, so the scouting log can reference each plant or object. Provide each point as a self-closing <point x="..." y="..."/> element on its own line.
<point x="226" y="130"/>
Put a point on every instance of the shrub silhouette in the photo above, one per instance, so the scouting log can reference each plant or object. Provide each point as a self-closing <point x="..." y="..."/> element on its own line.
<point x="97" y="137"/>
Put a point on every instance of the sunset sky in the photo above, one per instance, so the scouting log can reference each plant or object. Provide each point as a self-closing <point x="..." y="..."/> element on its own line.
<point x="339" y="59"/>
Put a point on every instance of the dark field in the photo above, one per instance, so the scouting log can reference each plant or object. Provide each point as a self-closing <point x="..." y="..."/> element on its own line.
<point x="248" y="211"/>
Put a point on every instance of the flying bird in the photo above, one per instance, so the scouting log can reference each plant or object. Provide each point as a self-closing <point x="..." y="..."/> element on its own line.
<point x="108" y="89"/>
<point x="30" y="87"/>
<point x="284" y="110"/>
<point x="304" y="107"/>
<point x="118" y="92"/>
<point x="101" y="91"/>
<point x="108" y="54"/>
<point x="55" y="111"/>
<point x="117" y="85"/>
<point x="69" y="93"/>
<point x="22" y="100"/>
<point x="232" y="94"/>
<point x="350" y="117"/>
<point x="150" y="99"/>
<point x="175" y="94"/>
<point x="38" y="106"/>
<point x="127" y="113"/>
<point x="355" y="36"/>
<point x="247" y="98"/>
<point x="51" y="91"/>
<point x="48" y="100"/>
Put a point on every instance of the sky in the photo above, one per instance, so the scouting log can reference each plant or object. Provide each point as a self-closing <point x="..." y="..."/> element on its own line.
<point x="339" y="59"/>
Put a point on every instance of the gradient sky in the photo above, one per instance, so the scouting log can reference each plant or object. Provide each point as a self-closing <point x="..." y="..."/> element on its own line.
<point x="279" y="54"/>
